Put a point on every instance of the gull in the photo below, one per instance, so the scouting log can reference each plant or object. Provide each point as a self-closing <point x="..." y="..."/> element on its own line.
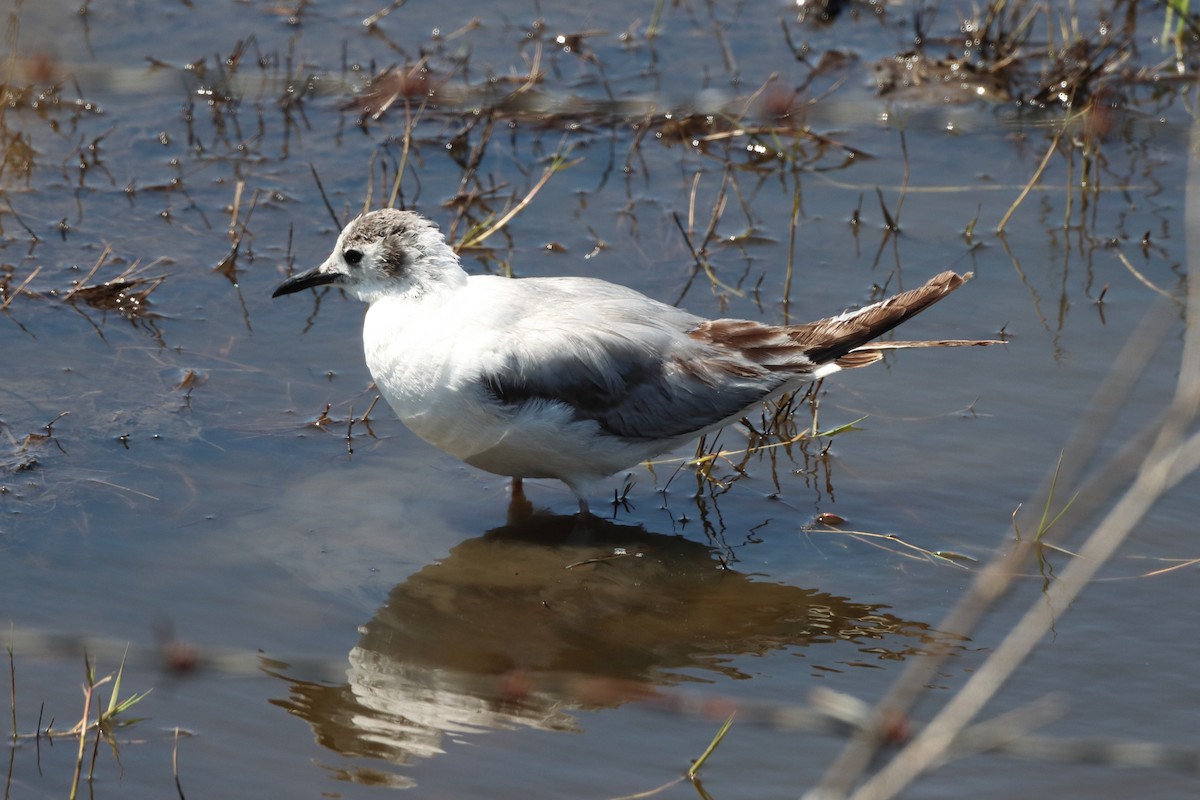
<point x="572" y="378"/>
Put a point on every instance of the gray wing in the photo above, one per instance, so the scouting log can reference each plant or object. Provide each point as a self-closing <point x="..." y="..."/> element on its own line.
<point x="643" y="369"/>
<point x="631" y="364"/>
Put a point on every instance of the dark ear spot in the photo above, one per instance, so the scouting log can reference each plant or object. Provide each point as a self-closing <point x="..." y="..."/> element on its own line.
<point x="395" y="256"/>
<point x="353" y="257"/>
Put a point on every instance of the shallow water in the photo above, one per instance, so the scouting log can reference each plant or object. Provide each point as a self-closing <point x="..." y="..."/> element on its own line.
<point x="377" y="621"/>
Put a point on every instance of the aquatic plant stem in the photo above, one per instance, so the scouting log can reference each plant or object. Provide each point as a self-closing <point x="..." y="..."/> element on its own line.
<point x="1037" y="175"/>
<point x="1170" y="457"/>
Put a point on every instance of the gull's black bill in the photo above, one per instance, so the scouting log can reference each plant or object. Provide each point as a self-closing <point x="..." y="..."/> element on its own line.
<point x="305" y="280"/>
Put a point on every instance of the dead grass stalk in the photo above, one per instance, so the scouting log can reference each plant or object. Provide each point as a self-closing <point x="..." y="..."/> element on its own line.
<point x="1152" y="462"/>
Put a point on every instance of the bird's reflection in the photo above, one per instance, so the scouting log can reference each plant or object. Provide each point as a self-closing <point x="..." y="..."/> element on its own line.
<point x="536" y="620"/>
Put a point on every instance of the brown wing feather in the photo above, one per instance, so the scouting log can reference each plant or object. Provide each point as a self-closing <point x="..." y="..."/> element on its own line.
<point x="768" y="346"/>
<point x="829" y="339"/>
<point x="859" y="358"/>
<point x="845" y="339"/>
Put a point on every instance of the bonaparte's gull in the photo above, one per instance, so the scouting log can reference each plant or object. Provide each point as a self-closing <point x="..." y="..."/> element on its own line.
<point x="571" y="378"/>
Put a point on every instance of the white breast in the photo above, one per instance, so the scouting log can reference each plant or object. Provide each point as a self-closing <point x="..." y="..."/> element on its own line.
<point x="427" y="356"/>
<point x="410" y="347"/>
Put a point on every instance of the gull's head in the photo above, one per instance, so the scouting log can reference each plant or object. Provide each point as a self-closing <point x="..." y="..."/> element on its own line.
<point x="388" y="252"/>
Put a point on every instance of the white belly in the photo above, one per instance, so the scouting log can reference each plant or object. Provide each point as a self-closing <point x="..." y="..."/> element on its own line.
<point x="432" y="382"/>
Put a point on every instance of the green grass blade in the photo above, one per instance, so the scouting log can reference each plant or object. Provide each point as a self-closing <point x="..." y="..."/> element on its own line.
<point x="849" y="426"/>
<point x="708" y="751"/>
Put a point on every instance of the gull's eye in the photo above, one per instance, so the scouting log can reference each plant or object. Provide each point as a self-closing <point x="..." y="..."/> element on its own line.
<point x="353" y="257"/>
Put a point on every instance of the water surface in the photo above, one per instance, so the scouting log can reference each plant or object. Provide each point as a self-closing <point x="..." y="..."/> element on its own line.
<point x="388" y="628"/>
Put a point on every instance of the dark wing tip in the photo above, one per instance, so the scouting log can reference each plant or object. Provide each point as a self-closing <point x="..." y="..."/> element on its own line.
<point x="832" y="338"/>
